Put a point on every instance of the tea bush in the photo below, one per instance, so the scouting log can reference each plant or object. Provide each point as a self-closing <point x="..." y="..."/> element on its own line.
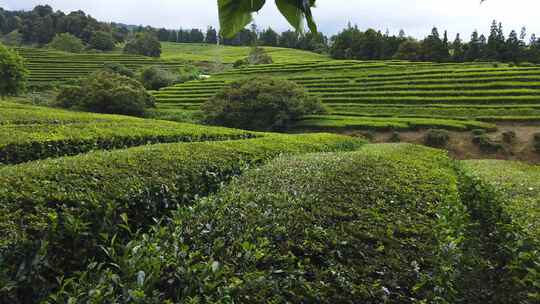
<point x="504" y="198"/>
<point x="387" y="228"/>
<point x="56" y="215"/>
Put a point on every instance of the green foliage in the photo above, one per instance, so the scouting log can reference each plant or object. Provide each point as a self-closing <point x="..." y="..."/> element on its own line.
<point x="155" y="78"/>
<point x="118" y="68"/>
<point x="536" y="142"/>
<point x="260" y="104"/>
<point x="145" y="44"/>
<point x="13" y="38"/>
<point x="503" y="198"/>
<point x="389" y="227"/>
<point x="437" y="138"/>
<point x="13" y="73"/>
<point x="234" y="15"/>
<point x="509" y="136"/>
<point x="102" y="41"/>
<point x="39" y="141"/>
<point x="188" y="73"/>
<point x="67" y="43"/>
<point x="486" y="144"/>
<point x="76" y="207"/>
<point x="258" y="55"/>
<point x="395" y="137"/>
<point x="105" y="92"/>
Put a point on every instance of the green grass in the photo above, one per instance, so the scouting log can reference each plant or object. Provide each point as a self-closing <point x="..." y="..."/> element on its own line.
<point x="230" y="54"/>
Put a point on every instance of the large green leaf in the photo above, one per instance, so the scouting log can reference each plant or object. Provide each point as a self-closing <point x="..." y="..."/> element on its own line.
<point x="234" y="15"/>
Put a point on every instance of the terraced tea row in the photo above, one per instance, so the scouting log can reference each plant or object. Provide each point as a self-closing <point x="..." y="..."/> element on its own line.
<point x="36" y="133"/>
<point x="425" y="94"/>
<point x="48" y="65"/>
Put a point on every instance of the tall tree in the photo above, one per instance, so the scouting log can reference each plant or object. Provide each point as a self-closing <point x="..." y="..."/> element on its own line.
<point x="211" y="36"/>
<point x="458" y="53"/>
<point x="13" y="75"/>
<point x="269" y="37"/>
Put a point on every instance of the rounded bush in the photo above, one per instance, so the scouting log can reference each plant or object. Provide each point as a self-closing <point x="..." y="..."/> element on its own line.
<point x="155" y="78"/>
<point x="102" y="41"/>
<point x="105" y="92"/>
<point x="146" y="44"/>
<point x="260" y="104"/>
<point x="67" y="43"/>
<point x="437" y="138"/>
<point x="509" y="136"/>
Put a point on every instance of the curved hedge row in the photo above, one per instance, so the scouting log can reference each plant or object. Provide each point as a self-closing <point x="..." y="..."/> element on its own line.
<point x="55" y="214"/>
<point x="31" y="142"/>
<point x="504" y="197"/>
<point x="380" y="225"/>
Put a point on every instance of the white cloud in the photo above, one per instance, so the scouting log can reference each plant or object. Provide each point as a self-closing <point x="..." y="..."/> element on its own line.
<point x="416" y="17"/>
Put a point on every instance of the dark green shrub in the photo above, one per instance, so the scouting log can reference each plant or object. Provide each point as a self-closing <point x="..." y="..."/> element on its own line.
<point x="68" y="210"/>
<point x="67" y="43"/>
<point x="486" y="144"/>
<point x="395" y="137"/>
<point x="104" y="92"/>
<point x="155" y="78"/>
<point x="13" y="38"/>
<point x="146" y="44"/>
<point x="186" y="73"/>
<point x="258" y="55"/>
<point x="13" y="74"/>
<point x="509" y="136"/>
<point x="260" y="104"/>
<point x="118" y="68"/>
<point x="383" y="225"/>
<point x="437" y="138"/>
<point x="102" y="41"/>
<point x="478" y="132"/>
<point x="536" y="142"/>
<point x="240" y="63"/>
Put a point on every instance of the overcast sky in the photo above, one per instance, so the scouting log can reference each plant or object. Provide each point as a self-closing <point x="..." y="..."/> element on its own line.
<point x="416" y="17"/>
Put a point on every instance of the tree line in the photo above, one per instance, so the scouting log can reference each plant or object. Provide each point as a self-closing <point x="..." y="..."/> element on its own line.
<point x="42" y="24"/>
<point x="353" y="43"/>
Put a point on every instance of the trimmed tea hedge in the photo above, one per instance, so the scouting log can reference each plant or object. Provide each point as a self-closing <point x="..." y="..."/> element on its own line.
<point x="504" y="197"/>
<point x="55" y="214"/>
<point x="31" y="133"/>
<point x="382" y="225"/>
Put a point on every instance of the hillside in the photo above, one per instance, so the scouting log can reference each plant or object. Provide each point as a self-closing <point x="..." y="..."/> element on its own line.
<point x="229" y="54"/>
<point x="248" y="211"/>
<point x="48" y="66"/>
<point x="361" y="93"/>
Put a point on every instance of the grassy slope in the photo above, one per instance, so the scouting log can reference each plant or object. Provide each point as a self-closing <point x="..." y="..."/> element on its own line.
<point x="229" y="54"/>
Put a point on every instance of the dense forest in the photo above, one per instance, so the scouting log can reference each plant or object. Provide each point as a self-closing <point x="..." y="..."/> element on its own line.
<point x="42" y="24"/>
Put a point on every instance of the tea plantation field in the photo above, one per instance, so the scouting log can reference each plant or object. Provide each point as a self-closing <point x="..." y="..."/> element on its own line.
<point x="48" y="66"/>
<point x="99" y="208"/>
<point x="386" y="95"/>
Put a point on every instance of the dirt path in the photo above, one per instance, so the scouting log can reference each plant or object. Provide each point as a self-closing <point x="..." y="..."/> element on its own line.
<point x="461" y="145"/>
